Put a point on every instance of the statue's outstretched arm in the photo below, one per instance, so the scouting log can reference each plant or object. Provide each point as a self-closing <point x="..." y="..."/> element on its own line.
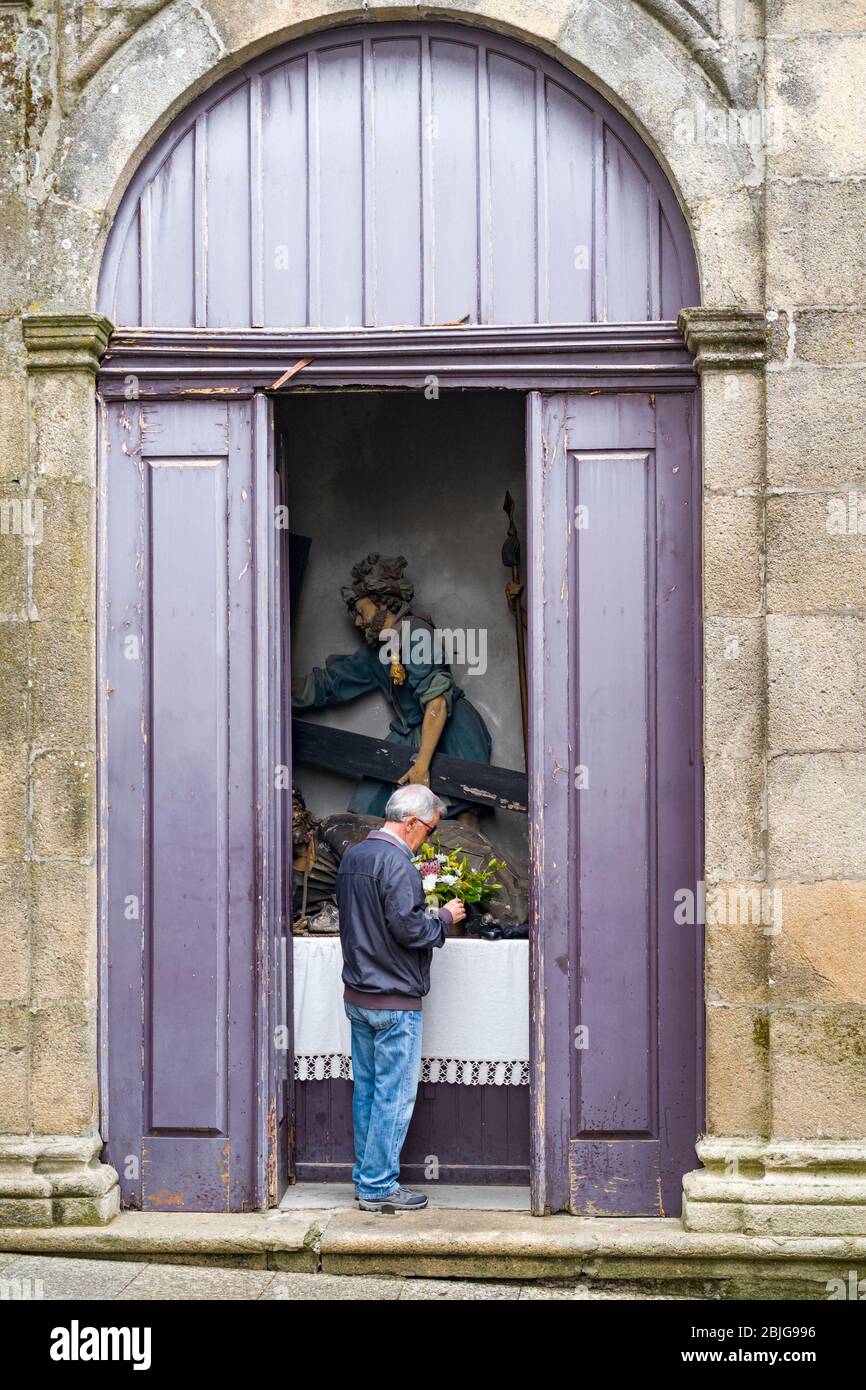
<point x="341" y="678"/>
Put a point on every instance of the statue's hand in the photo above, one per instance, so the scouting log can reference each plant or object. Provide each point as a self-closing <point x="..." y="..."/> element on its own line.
<point x="418" y="775"/>
<point x="513" y="590"/>
<point x="301" y="697"/>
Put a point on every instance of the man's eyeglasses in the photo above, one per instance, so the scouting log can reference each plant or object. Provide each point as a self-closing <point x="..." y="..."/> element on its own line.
<point x="424" y="822"/>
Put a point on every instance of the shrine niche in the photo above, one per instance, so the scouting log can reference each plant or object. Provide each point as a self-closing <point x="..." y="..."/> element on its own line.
<point x="379" y="656"/>
<point x="405" y="574"/>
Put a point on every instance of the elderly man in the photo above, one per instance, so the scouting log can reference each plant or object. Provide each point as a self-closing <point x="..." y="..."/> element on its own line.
<point x="388" y="934"/>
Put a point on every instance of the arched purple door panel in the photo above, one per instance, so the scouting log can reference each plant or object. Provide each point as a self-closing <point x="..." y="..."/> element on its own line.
<point x="398" y="174"/>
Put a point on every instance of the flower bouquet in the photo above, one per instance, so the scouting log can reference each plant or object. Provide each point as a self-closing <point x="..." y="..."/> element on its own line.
<point x="448" y="875"/>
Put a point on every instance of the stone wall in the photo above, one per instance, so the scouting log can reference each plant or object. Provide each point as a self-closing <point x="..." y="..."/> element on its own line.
<point x="756" y="111"/>
<point x="815" y="591"/>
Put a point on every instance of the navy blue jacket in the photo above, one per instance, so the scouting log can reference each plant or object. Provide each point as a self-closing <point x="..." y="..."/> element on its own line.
<point x="387" y="931"/>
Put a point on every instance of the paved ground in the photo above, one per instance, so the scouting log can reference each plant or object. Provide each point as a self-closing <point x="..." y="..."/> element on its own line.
<point x="53" y="1277"/>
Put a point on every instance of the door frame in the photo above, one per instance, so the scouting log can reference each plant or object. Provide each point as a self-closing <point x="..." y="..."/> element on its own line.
<point x="258" y="364"/>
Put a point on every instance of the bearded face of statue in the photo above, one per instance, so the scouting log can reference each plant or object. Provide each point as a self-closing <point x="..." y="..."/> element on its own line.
<point x="370" y="618"/>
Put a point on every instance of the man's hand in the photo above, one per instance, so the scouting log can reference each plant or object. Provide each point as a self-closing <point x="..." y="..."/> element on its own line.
<point x="457" y="910"/>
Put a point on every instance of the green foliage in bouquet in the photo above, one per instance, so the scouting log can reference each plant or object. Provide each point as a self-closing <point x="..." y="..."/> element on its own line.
<point x="445" y="876"/>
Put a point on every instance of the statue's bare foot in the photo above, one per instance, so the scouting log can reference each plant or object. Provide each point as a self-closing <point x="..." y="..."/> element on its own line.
<point x="469" y="819"/>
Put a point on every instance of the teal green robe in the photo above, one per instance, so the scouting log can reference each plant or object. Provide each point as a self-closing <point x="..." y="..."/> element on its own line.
<point x="346" y="677"/>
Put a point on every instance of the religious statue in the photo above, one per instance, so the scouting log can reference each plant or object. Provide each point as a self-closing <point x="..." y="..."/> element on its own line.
<point x="430" y="710"/>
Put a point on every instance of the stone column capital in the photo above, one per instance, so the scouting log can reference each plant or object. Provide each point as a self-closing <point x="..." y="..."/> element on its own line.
<point x="727" y="338"/>
<point x="65" y="342"/>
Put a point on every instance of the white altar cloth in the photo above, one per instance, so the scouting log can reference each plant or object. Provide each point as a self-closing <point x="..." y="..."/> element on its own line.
<point x="476" y="1015"/>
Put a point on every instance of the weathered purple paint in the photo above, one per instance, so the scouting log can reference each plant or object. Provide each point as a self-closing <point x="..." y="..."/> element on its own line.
<point x="398" y="174"/>
<point x="332" y="183"/>
<point x="616" y="786"/>
<point x="179" y="788"/>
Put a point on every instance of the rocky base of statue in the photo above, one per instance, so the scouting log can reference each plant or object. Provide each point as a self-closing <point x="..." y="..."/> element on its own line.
<point x="331" y="838"/>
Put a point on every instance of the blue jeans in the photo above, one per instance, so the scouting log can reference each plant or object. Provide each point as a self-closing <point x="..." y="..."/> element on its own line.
<point x="386" y="1062"/>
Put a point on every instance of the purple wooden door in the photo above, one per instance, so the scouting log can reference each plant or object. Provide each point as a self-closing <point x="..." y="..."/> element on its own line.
<point x="408" y="173"/>
<point x="616" y="785"/>
<point x="182" y="752"/>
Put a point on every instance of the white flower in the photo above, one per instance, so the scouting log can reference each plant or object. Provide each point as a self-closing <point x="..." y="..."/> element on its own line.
<point x="447" y="878"/>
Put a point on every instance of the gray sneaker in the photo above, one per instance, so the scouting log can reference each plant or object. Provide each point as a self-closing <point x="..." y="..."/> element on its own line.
<point x="398" y="1199"/>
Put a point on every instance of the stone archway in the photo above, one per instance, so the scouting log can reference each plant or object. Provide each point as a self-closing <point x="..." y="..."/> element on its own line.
<point x="89" y="156"/>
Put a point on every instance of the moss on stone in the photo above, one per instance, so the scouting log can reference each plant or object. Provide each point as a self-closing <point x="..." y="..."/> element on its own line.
<point x="761" y="1031"/>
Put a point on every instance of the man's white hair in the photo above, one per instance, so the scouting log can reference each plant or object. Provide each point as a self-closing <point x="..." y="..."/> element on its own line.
<point x="413" y="800"/>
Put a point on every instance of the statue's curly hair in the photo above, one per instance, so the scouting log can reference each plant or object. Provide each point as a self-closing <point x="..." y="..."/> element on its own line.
<point x="379" y="577"/>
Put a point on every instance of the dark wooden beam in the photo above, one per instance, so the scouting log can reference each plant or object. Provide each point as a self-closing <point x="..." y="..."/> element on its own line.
<point x="356" y="755"/>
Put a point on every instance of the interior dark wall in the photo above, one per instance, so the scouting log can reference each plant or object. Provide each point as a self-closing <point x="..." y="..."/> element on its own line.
<point x="400" y="474"/>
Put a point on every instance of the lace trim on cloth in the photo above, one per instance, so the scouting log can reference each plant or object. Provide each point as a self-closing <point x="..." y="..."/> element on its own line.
<point x="514" y="1073"/>
<point x="324" y="1066"/>
<point x="338" y="1066"/>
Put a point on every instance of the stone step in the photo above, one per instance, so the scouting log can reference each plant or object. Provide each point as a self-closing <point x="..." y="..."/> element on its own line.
<point x="657" y="1254"/>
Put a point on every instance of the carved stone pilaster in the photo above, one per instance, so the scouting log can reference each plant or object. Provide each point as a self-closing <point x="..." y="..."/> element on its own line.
<point x="65" y="342"/>
<point x="55" y="1180"/>
<point x="778" y="1187"/>
<point x="725" y="339"/>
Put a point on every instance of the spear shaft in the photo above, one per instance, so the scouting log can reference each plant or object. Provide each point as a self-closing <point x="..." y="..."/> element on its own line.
<point x="511" y="560"/>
